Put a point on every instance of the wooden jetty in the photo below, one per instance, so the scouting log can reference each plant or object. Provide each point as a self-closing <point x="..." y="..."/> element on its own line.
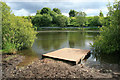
<point x="68" y="54"/>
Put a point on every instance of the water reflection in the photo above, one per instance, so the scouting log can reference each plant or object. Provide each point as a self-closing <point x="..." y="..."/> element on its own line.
<point x="47" y="42"/>
<point x="108" y="58"/>
<point x="50" y="41"/>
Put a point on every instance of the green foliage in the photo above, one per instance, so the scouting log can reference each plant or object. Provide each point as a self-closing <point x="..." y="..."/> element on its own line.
<point x="38" y="12"/>
<point x="101" y="14"/>
<point x="17" y="32"/>
<point x="9" y="47"/>
<point x="61" y="20"/>
<point x="42" y="20"/>
<point x="49" y="18"/>
<point x="72" y="13"/>
<point x="57" y="10"/>
<point x="53" y="15"/>
<point x="36" y="20"/>
<point x="80" y="19"/>
<point x="27" y="17"/>
<point x="109" y="39"/>
<point x="105" y="21"/>
<point x="94" y="21"/>
<point x="45" y="10"/>
<point x="46" y="20"/>
<point x="76" y="19"/>
<point x="72" y="21"/>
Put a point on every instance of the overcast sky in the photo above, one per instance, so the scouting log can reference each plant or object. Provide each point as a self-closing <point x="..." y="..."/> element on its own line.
<point x="29" y="7"/>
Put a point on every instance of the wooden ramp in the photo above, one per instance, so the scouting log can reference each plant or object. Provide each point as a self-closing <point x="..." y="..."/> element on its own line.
<point x="68" y="54"/>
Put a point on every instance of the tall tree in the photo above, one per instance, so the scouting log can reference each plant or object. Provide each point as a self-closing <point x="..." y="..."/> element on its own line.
<point x="42" y="20"/>
<point x="81" y="18"/>
<point x="96" y="21"/>
<point x="72" y="13"/>
<point x="101" y="14"/>
<point x="45" y="10"/>
<point x="61" y="20"/>
<point x="57" y="10"/>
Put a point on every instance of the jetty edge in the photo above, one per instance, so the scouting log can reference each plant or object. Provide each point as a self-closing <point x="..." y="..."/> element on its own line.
<point x="68" y="54"/>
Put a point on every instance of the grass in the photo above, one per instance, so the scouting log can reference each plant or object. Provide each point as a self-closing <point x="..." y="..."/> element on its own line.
<point x="1" y="51"/>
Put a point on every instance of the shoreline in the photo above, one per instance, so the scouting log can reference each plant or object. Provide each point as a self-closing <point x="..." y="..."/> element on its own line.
<point x="49" y="68"/>
<point x="68" y="31"/>
<point x="67" y="28"/>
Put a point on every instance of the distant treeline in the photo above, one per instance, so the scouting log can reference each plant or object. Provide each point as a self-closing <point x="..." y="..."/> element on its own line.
<point x="54" y="18"/>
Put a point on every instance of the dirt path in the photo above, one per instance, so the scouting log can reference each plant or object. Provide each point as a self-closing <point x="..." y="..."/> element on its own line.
<point x="49" y="68"/>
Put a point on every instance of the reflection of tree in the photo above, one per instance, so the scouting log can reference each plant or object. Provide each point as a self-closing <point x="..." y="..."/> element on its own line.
<point x="89" y="36"/>
<point x="50" y="40"/>
<point x="76" y="38"/>
<point x="71" y="44"/>
<point x="80" y="38"/>
<point x="108" y="58"/>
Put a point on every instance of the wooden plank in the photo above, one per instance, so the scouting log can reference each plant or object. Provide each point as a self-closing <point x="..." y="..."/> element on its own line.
<point x="69" y="54"/>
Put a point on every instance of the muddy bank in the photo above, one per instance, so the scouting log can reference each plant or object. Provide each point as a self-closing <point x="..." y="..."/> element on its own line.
<point x="49" y="68"/>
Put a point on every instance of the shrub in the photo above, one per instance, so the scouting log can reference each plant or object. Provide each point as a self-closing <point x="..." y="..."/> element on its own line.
<point x="17" y="32"/>
<point x="109" y="39"/>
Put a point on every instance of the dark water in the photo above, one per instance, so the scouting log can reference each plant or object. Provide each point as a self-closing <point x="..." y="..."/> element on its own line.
<point x="48" y="41"/>
<point x="51" y="41"/>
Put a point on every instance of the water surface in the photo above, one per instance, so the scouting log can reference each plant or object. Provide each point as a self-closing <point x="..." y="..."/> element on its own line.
<point x="48" y="41"/>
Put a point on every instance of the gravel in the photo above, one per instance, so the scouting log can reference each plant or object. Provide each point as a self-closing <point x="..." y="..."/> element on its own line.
<point x="49" y="68"/>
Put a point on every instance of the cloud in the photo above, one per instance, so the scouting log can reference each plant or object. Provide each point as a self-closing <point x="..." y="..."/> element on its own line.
<point x="32" y="6"/>
<point x="21" y="12"/>
<point x="33" y="14"/>
<point x="95" y="12"/>
<point x="74" y="1"/>
<point x="66" y="14"/>
<point x="91" y="12"/>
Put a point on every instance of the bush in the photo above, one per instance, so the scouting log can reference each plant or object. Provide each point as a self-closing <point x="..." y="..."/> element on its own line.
<point x="9" y="48"/>
<point x="17" y="32"/>
<point x="109" y="39"/>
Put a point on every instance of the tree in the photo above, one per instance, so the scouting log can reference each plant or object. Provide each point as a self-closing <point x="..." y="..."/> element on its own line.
<point x="36" y="20"/>
<point x="72" y="13"/>
<point x="101" y="14"/>
<point x="81" y="19"/>
<point x="57" y="10"/>
<point x="61" y="20"/>
<point x="53" y="15"/>
<point x="105" y="21"/>
<point x="96" y="21"/>
<point x="109" y="40"/>
<point x="89" y="19"/>
<point x="46" y="20"/>
<point x="42" y="20"/>
<point x="45" y="10"/>
<point x="17" y="32"/>
<point x="38" y="12"/>
<point x="73" y="21"/>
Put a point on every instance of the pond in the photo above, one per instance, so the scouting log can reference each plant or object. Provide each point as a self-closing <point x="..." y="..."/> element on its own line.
<point x="51" y="41"/>
<point x="48" y="41"/>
